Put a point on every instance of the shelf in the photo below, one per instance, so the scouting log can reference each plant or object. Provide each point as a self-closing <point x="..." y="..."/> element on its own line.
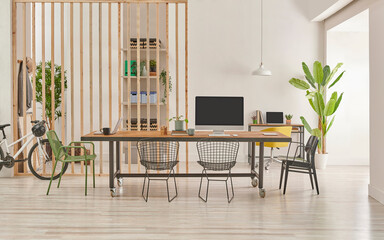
<point x="141" y="77"/>
<point x="143" y="104"/>
<point x="144" y="49"/>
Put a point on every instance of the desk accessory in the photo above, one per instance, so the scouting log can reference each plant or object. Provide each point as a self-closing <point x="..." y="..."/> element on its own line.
<point x="179" y="133"/>
<point x="191" y="131"/>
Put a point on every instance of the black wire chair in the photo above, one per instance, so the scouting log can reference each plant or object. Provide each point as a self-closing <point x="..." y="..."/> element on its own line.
<point x="217" y="156"/>
<point x="159" y="156"/>
<point x="299" y="164"/>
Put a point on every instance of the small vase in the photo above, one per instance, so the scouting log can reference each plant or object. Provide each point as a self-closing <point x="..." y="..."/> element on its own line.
<point x="144" y="73"/>
<point x="179" y="125"/>
<point x="288" y="121"/>
<point x="254" y="121"/>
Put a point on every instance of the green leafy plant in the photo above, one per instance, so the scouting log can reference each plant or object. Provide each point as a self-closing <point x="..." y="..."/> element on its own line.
<point x="48" y="92"/>
<point x="316" y="86"/>
<point x="152" y="65"/>
<point x="134" y="68"/>
<point x="288" y="116"/>
<point x="178" y="118"/>
<point x="163" y="80"/>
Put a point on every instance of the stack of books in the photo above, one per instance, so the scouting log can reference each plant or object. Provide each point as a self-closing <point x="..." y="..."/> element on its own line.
<point x="153" y="43"/>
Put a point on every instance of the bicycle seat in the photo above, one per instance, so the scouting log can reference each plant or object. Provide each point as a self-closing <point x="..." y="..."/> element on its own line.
<point x="4" y="126"/>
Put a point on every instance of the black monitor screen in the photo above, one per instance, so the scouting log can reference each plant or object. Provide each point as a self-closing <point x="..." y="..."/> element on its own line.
<point x="275" y="117"/>
<point x="219" y="111"/>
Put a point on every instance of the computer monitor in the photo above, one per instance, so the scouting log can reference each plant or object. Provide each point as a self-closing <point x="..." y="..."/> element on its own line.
<point x="219" y="114"/>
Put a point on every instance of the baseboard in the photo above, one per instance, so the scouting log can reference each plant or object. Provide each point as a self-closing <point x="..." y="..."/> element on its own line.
<point x="376" y="193"/>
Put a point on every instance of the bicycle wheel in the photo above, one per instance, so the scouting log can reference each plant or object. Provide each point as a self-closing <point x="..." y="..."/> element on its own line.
<point x="1" y="158"/>
<point x="40" y="161"/>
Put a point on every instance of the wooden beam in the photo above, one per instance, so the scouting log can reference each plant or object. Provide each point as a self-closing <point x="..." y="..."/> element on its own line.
<point x="110" y="62"/>
<point x="186" y="80"/>
<point x="138" y="73"/>
<point x="157" y="68"/>
<point x="177" y="56"/>
<point x="24" y="81"/>
<point x="43" y="57"/>
<point x="167" y="62"/>
<point x="81" y="81"/>
<point x="63" y="115"/>
<point x="90" y="68"/>
<point x="15" y="82"/>
<point x="148" y="79"/>
<point x="101" y="82"/>
<point x="129" y="82"/>
<point x="52" y="69"/>
<point x="34" y="73"/>
<point x="72" y="86"/>
<point x="119" y="79"/>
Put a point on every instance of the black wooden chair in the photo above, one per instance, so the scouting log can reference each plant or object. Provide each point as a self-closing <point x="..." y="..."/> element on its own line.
<point x="299" y="164"/>
<point x="158" y="156"/>
<point x="217" y="156"/>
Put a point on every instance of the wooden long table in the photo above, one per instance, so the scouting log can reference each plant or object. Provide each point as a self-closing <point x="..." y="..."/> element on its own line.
<point x="242" y="136"/>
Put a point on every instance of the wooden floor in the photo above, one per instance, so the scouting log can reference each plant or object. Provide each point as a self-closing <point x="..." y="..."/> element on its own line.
<point x="343" y="209"/>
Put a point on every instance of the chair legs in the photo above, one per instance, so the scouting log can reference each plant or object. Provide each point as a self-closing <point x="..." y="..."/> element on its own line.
<point x="316" y="183"/>
<point x="286" y="177"/>
<point x="281" y="174"/>
<point x="229" y="177"/>
<point x="171" y="172"/>
<point x="311" y="171"/>
<point x="53" y="173"/>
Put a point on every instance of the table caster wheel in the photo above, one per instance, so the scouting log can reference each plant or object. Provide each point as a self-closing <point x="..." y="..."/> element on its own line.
<point x="262" y="193"/>
<point x="254" y="182"/>
<point x="113" y="192"/>
<point x="257" y="165"/>
<point x="119" y="182"/>
<point x="267" y="167"/>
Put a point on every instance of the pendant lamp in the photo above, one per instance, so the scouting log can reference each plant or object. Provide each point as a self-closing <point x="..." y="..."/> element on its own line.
<point x="261" y="71"/>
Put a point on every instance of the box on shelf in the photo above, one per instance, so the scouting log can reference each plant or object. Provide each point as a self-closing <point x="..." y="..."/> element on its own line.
<point x="143" y="97"/>
<point x="143" y="43"/>
<point x="133" y="97"/>
<point x="152" y="97"/>
<point x="143" y="124"/>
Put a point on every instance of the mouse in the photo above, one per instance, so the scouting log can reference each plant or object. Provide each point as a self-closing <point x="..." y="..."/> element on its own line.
<point x="235" y="135"/>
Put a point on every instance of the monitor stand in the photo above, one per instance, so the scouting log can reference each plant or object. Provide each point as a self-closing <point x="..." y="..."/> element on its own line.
<point x="219" y="133"/>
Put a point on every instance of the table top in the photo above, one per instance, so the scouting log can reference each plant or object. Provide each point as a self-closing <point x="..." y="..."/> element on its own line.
<point x="275" y="125"/>
<point x="242" y="136"/>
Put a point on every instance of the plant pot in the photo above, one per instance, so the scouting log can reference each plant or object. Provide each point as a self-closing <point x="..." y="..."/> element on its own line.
<point x="254" y="121"/>
<point x="321" y="160"/>
<point x="288" y="122"/>
<point x="179" y="125"/>
<point x="152" y="73"/>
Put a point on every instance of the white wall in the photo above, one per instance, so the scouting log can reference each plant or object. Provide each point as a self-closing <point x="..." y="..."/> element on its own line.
<point x="376" y="34"/>
<point x="349" y="43"/>
<point x="224" y="49"/>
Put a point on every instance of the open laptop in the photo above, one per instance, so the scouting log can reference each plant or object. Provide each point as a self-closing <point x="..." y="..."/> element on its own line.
<point x="114" y="130"/>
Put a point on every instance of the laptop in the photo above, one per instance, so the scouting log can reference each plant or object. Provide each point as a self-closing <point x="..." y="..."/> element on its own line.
<point x="114" y="130"/>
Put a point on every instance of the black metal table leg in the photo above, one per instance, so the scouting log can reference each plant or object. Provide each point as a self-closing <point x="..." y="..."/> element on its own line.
<point x="254" y="179"/>
<point x="261" y="170"/>
<point x="118" y="167"/>
<point x="111" y="170"/>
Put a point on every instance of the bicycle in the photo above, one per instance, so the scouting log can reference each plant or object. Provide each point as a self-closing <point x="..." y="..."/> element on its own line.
<point x="40" y="161"/>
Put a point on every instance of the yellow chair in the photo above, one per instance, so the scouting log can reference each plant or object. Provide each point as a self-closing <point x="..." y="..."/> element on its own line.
<point x="284" y="130"/>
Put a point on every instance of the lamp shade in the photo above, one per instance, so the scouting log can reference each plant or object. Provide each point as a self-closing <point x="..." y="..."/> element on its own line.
<point x="261" y="71"/>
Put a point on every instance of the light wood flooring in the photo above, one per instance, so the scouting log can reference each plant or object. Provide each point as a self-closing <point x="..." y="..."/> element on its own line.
<point x="343" y="209"/>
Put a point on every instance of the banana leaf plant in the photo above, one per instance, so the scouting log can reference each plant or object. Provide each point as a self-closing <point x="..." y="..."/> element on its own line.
<point x="316" y="87"/>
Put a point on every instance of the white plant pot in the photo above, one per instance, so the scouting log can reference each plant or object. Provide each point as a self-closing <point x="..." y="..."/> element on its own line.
<point x="321" y="160"/>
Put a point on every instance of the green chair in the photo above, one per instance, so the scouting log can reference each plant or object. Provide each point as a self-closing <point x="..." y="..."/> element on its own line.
<point x="61" y="154"/>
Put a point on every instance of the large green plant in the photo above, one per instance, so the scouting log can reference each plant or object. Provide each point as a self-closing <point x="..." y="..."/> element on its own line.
<point x="316" y="86"/>
<point x="48" y="93"/>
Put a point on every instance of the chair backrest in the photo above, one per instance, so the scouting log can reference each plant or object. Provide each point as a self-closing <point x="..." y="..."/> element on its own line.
<point x="55" y="144"/>
<point x="310" y="148"/>
<point x="157" y="152"/>
<point x="218" y="152"/>
<point x="287" y="131"/>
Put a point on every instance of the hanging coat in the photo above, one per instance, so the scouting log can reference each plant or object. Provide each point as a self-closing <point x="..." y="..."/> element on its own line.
<point x="20" y="90"/>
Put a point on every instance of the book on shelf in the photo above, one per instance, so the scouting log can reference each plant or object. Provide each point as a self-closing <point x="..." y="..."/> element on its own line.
<point x="179" y="133"/>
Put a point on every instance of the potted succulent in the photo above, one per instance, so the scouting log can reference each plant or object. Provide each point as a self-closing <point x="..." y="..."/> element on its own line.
<point x="288" y="119"/>
<point x="254" y="118"/>
<point x="152" y="68"/>
<point x="316" y="87"/>
<point x="179" y="122"/>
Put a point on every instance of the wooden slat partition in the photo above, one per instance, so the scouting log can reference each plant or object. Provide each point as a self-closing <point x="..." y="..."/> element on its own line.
<point x="186" y="83"/>
<point x="78" y="89"/>
<point x="34" y="71"/>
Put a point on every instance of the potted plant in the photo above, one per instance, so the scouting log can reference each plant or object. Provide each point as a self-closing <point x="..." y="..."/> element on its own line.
<point x="179" y="122"/>
<point x="288" y="119"/>
<point x="48" y="92"/>
<point x="152" y="68"/>
<point x="254" y="118"/>
<point x="316" y="87"/>
<point x="163" y="80"/>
